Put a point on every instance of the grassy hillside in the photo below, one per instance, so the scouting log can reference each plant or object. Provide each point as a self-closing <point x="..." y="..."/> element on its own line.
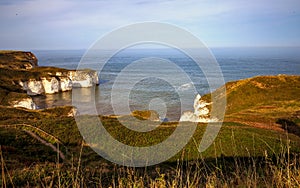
<point x="238" y="147"/>
<point x="263" y="100"/>
<point x="264" y="92"/>
<point x="251" y="149"/>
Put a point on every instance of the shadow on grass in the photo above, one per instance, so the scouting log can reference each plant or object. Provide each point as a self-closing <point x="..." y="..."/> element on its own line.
<point x="217" y="172"/>
<point x="290" y="126"/>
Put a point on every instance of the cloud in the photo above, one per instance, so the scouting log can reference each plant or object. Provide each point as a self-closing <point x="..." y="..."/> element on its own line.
<point x="75" y="22"/>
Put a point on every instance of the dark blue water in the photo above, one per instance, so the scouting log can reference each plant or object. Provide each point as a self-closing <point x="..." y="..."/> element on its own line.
<point x="235" y="63"/>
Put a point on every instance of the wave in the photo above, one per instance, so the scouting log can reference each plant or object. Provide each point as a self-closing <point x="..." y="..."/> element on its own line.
<point x="185" y="86"/>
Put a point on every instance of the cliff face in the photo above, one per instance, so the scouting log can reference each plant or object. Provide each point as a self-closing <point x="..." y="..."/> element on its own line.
<point x="45" y="86"/>
<point x="60" y="81"/>
<point x="19" y="73"/>
<point x="200" y="114"/>
<point x="83" y="78"/>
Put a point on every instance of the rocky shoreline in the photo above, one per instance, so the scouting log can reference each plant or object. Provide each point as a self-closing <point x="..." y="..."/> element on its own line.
<point x="21" y="77"/>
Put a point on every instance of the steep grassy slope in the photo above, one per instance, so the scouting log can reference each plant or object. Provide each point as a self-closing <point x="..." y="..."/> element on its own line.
<point x="263" y="91"/>
<point x="262" y="100"/>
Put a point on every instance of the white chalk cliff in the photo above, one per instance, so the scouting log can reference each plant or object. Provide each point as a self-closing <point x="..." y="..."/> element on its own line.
<point x="60" y="81"/>
<point x="200" y="114"/>
<point x="83" y="78"/>
<point x="25" y="103"/>
<point x="20" y="72"/>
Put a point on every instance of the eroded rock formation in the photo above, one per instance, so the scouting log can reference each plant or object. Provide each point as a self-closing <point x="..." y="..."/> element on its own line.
<point x="61" y="81"/>
<point x="19" y="73"/>
<point x="25" y="103"/>
<point x="200" y="113"/>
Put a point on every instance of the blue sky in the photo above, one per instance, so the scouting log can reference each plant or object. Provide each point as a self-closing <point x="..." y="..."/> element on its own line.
<point x="75" y="24"/>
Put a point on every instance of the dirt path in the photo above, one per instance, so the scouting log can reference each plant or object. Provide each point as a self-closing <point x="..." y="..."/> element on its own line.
<point x="55" y="149"/>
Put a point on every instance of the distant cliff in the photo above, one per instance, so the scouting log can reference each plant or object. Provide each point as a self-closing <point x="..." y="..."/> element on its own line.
<point x="20" y="74"/>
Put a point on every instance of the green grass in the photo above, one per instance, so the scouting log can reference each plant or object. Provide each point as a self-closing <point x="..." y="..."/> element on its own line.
<point x="242" y="155"/>
<point x="248" y="140"/>
<point x="261" y="99"/>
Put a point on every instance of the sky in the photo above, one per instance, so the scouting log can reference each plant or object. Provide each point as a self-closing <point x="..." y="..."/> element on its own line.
<point x="76" y="24"/>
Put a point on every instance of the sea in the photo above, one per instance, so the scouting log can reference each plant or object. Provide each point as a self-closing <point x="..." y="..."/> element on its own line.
<point x="125" y="85"/>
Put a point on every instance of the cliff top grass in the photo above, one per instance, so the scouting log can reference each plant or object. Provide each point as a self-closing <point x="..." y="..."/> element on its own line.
<point x="261" y="99"/>
<point x="12" y="97"/>
<point x="17" y="59"/>
<point x="10" y="78"/>
<point x="247" y="149"/>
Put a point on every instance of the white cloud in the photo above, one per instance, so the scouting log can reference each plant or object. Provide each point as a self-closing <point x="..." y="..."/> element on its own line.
<point x="75" y="20"/>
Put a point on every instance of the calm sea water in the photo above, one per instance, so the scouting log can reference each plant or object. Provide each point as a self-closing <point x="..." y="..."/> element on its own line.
<point x="235" y="63"/>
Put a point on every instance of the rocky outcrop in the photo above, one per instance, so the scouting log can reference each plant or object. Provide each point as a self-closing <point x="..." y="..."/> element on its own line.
<point x="20" y="78"/>
<point x="73" y="112"/>
<point x="60" y="81"/>
<point x="200" y="114"/>
<point x="83" y="78"/>
<point x="19" y="100"/>
<point x="46" y="85"/>
<point x="25" y="103"/>
<point x="19" y="71"/>
<point x="18" y="60"/>
<point x="65" y="84"/>
<point x="32" y="87"/>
